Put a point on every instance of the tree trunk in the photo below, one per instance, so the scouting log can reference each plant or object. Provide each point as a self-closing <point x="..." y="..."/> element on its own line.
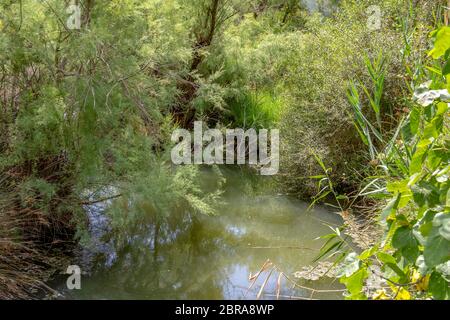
<point x="184" y="113"/>
<point x="87" y="11"/>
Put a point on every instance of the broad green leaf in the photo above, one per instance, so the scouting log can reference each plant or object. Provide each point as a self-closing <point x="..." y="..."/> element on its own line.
<point x="418" y="157"/>
<point x="433" y="128"/>
<point x="366" y="254"/>
<point x="355" y="284"/>
<point x="390" y="208"/>
<point x="446" y="69"/>
<point x="426" y="193"/>
<point x="447" y="203"/>
<point x="414" y="120"/>
<point x="400" y="186"/>
<point x="438" y="286"/>
<point x="442" y="108"/>
<point x="390" y="261"/>
<point x="410" y="253"/>
<point x="437" y="249"/>
<point x="442" y="43"/>
<point x="404" y="239"/>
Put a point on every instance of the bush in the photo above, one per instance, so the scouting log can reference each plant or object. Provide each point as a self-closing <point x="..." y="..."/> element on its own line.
<point x="412" y="258"/>
<point x="330" y="53"/>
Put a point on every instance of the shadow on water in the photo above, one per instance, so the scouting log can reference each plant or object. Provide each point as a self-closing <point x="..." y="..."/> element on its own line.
<point x="200" y="257"/>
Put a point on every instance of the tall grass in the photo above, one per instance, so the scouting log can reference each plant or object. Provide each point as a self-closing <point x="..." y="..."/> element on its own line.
<point x="26" y="261"/>
<point x="366" y="130"/>
<point x="256" y="110"/>
<point x="37" y="225"/>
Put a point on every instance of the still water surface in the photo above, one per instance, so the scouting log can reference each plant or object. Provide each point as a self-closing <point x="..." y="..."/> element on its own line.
<point x="202" y="257"/>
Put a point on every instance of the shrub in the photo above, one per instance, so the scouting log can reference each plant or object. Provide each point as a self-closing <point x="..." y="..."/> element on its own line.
<point x="329" y="54"/>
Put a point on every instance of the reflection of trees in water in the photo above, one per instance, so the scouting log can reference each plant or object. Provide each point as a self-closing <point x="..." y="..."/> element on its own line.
<point x="195" y="256"/>
<point x="174" y="258"/>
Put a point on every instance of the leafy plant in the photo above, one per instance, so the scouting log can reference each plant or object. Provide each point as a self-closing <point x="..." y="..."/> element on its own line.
<point x="364" y="126"/>
<point x="414" y="254"/>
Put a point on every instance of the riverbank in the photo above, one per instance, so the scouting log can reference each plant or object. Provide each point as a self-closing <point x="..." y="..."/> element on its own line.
<point x="356" y="90"/>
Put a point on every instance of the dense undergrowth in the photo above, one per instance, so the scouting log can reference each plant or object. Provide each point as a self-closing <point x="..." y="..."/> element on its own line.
<point x="82" y="110"/>
<point x="410" y="258"/>
<point x="92" y="109"/>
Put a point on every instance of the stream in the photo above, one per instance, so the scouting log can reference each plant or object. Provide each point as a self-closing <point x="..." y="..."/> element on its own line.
<point x="209" y="257"/>
<point x="193" y="256"/>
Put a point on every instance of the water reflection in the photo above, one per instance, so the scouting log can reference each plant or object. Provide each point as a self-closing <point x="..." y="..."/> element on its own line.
<point x="188" y="256"/>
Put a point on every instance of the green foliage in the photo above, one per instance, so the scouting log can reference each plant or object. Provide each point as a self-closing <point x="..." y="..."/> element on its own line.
<point x="88" y="110"/>
<point x="368" y="133"/>
<point x="159" y="193"/>
<point x="84" y="110"/>
<point x="256" y="111"/>
<point x="316" y="74"/>
<point x="415" y="251"/>
<point x="94" y="97"/>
